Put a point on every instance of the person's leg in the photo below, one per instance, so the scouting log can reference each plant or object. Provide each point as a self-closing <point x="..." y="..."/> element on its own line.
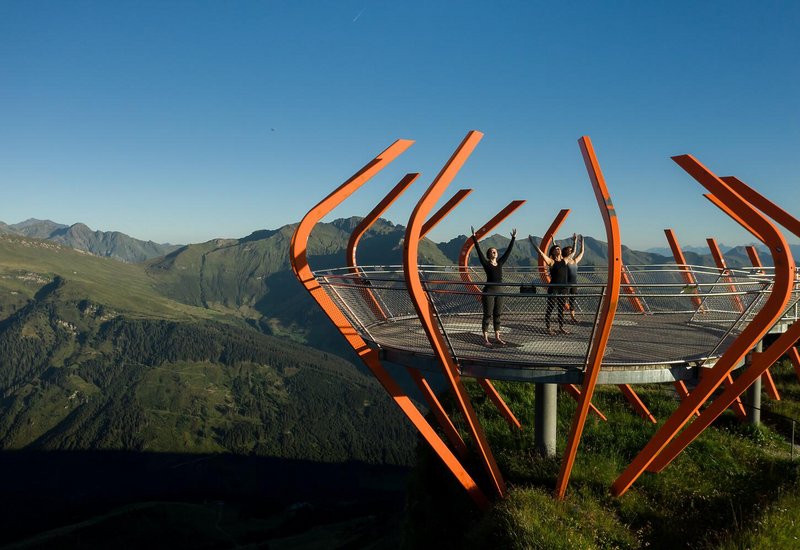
<point x="488" y="304"/>
<point x="551" y="303"/>
<point x="562" y="302"/>
<point x="572" y="292"/>
<point x="498" y="311"/>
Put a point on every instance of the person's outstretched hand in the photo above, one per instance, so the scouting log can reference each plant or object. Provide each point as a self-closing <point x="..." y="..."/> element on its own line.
<point x="473" y="230"/>
<point x="513" y="233"/>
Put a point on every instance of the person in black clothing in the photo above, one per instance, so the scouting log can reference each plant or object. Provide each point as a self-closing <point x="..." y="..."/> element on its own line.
<point x="556" y="292"/>
<point x="572" y="272"/>
<point x="492" y="305"/>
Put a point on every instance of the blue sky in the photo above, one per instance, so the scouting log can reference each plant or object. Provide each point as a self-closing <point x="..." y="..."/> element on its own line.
<point x="186" y="121"/>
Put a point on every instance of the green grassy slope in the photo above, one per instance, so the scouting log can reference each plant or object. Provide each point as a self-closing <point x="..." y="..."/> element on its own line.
<point x="92" y="356"/>
<point x="730" y="489"/>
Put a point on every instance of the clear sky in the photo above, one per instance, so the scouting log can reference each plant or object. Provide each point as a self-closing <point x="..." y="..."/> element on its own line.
<point x="185" y="121"/>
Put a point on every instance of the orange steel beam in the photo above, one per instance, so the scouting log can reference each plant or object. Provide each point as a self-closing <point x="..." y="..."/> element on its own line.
<point x="637" y="403"/>
<point x="299" y="261"/>
<point x="606" y="315"/>
<point x="630" y="291"/>
<point x="501" y="405"/>
<point x="659" y="451"/>
<point x="719" y="204"/>
<point x="574" y="392"/>
<point x="752" y="253"/>
<point x="454" y="201"/>
<point x="438" y="411"/>
<point x="683" y="392"/>
<point x="547" y="238"/>
<point x="372" y="217"/>
<point x="766" y="379"/>
<point x="737" y="406"/>
<point x="794" y="357"/>
<point x="425" y="310"/>
<point x="719" y="259"/>
<point x="363" y="226"/>
<point x="677" y="253"/>
<point x="466" y="248"/>
<point x="769" y="383"/>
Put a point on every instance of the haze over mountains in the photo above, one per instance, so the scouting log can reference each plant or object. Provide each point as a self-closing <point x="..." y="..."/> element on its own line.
<point x="112" y="244"/>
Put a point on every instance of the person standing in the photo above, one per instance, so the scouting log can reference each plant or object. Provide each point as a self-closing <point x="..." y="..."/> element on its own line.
<point x="492" y="304"/>
<point x="556" y="291"/>
<point x="572" y="261"/>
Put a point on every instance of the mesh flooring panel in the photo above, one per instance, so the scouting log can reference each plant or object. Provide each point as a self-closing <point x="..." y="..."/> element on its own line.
<point x="665" y="314"/>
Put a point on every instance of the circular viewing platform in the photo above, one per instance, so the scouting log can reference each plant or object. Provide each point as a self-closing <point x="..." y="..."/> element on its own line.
<point x="669" y="320"/>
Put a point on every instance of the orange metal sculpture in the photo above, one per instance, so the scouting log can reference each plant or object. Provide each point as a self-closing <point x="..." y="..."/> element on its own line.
<point x="607" y="310"/>
<point x="457" y="448"/>
<point x="755" y="331"/>
<point x="298" y="256"/>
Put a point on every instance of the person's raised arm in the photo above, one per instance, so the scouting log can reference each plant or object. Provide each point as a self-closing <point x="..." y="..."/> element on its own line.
<point x="580" y="254"/>
<point x="481" y="258"/>
<point x="505" y="255"/>
<point x="547" y="259"/>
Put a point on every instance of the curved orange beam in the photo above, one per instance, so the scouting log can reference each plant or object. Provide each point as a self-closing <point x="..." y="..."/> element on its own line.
<point x="547" y="238"/>
<point x="722" y="206"/>
<point x="659" y="451"/>
<point x="425" y="310"/>
<point x="608" y="309"/>
<point x="719" y="259"/>
<point x="299" y="261"/>
<point x="362" y="227"/>
<point x="446" y="208"/>
<point x="372" y="217"/>
<point x="760" y="361"/>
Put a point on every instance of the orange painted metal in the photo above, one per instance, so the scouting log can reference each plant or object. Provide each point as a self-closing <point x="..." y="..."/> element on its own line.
<point x="575" y="392"/>
<point x="661" y="448"/>
<point x="631" y="291"/>
<point x="677" y="253"/>
<point x="299" y="262"/>
<point x="794" y="357"/>
<point x="501" y="405"/>
<point x="719" y="204"/>
<point x="454" y="201"/>
<point x="372" y="217"/>
<point x="466" y="248"/>
<point x="769" y="384"/>
<point x="607" y="311"/>
<point x="737" y="406"/>
<point x="436" y="407"/>
<point x="719" y="259"/>
<point x="547" y="238"/>
<point x="363" y="226"/>
<point x="426" y="313"/>
<point x="637" y="403"/>
<point x="752" y="253"/>
<point x="683" y="392"/>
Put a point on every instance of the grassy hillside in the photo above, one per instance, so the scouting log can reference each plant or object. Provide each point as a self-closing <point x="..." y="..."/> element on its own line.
<point x="732" y="488"/>
<point x="93" y="357"/>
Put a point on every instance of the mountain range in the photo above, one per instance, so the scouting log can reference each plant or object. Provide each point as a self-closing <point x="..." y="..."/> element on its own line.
<point x="111" y="244"/>
<point x="211" y="348"/>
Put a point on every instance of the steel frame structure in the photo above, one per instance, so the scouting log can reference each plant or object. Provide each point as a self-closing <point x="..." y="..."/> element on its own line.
<point x="739" y="201"/>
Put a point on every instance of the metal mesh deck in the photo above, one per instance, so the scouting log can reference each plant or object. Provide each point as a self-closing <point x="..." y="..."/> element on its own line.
<point x="661" y="319"/>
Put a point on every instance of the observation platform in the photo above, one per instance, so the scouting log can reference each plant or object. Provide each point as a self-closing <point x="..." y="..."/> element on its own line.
<point x="664" y="328"/>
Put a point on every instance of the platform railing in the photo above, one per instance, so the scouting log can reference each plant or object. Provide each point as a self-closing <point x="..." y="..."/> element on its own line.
<point x="538" y="327"/>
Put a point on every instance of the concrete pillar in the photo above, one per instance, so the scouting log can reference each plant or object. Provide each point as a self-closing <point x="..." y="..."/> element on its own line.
<point x="753" y="394"/>
<point x="544" y="428"/>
